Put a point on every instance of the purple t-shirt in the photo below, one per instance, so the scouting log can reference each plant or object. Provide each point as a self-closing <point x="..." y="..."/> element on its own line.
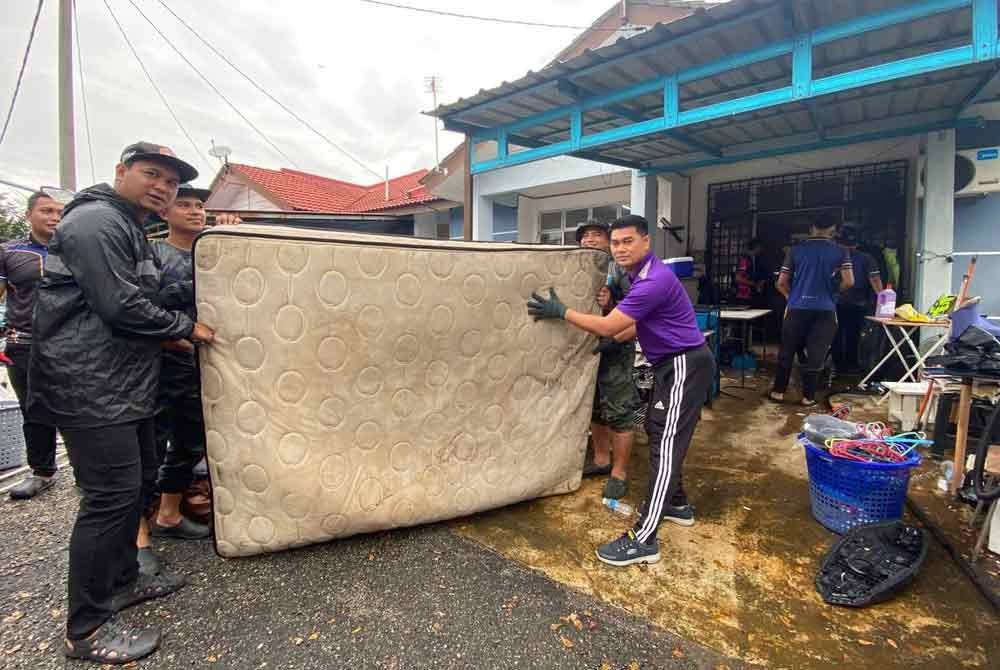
<point x="664" y="318"/>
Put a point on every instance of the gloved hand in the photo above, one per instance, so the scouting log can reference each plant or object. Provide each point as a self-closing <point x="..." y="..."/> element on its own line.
<point x="606" y="345"/>
<point x="546" y="308"/>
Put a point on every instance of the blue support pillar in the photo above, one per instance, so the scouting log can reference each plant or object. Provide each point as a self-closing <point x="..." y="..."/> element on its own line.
<point x="576" y="128"/>
<point x="984" y="29"/>
<point x="503" y="146"/>
<point x="802" y="67"/>
<point x="671" y="101"/>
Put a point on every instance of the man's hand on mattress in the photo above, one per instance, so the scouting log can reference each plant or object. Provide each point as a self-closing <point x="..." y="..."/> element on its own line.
<point x="183" y="346"/>
<point x="202" y="334"/>
<point x="546" y="308"/>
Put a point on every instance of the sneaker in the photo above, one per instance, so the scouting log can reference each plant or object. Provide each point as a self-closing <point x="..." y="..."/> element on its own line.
<point x="614" y="489"/>
<point x="31" y="487"/>
<point x="682" y="515"/>
<point x="200" y="470"/>
<point x="627" y="550"/>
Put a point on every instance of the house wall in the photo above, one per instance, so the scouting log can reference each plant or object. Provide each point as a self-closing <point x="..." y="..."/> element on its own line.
<point x="234" y="194"/>
<point x="976" y="230"/>
<point x="530" y="209"/>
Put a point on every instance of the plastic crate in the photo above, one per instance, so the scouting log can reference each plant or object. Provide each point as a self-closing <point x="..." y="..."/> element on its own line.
<point x="846" y="494"/>
<point x="11" y="435"/>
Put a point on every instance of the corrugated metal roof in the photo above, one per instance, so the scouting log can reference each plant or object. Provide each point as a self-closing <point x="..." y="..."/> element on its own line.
<point x="737" y="27"/>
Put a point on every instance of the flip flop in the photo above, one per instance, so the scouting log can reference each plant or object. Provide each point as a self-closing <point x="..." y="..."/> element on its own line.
<point x="114" y="643"/>
<point x="593" y="470"/>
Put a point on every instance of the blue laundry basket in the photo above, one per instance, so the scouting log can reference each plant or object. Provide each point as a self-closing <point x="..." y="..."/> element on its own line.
<point x="846" y="494"/>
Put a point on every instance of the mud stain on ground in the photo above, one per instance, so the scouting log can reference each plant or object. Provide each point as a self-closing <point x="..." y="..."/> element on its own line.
<point x="742" y="579"/>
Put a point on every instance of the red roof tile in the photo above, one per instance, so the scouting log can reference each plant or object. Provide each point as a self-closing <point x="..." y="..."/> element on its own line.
<point x="311" y="193"/>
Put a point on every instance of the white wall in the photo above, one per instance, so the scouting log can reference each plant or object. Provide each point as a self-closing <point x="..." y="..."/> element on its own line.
<point x="235" y="195"/>
<point x="530" y="209"/>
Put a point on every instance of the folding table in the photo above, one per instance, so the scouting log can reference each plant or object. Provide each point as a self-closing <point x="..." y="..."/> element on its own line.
<point x="901" y="332"/>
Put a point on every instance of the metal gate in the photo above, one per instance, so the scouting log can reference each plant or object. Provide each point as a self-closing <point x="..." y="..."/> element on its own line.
<point x="872" y="196"/>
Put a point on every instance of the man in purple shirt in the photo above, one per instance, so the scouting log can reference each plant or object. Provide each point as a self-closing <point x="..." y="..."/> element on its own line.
<point x="657" y="311"/>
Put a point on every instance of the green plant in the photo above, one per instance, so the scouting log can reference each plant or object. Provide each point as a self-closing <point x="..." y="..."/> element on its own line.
<point x="13" y="222"/>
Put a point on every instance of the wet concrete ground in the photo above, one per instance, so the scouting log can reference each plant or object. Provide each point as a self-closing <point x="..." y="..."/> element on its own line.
<point x="528" y="592"/>
<point x="742" y="579"/>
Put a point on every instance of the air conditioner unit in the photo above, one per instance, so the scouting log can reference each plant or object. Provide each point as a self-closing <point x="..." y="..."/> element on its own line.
<point x="977" y="171"/>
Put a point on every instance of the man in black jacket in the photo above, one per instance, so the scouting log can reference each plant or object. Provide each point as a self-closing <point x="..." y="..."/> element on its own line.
<point x="94" y="372"/>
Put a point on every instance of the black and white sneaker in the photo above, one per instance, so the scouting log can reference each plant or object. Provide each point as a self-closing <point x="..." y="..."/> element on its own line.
<point x="682" y="515"/>
<point x="627" y="550"/>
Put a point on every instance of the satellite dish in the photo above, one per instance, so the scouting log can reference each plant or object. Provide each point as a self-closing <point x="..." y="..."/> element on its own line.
<point x="221" y="152"/>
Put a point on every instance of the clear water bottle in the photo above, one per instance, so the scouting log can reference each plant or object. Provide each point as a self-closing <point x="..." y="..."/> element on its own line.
<point x="618" y="506"/>
<point x="947" y="471"/>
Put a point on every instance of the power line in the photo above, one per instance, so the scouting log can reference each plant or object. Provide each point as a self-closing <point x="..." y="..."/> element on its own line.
<point x="20" y="74"/>
<point x="213" y="87"/>
<point x="156" y="88"/>
<point x="83" y="93"/>
<point x="270" y="97"/>
<point x="490" y="19"/>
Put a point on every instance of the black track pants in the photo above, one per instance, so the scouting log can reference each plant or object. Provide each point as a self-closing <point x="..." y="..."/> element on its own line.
<point x="814" y="330"/>
<point x="680" y="386"/>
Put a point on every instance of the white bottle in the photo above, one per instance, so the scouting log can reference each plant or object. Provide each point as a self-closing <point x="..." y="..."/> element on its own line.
<point x="617" y="506"/>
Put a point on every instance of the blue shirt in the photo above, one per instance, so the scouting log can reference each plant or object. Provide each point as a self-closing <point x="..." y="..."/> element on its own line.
<point x="665" y="323"/>
<point x="813" y="266"/>
<point x="21" y="267"/>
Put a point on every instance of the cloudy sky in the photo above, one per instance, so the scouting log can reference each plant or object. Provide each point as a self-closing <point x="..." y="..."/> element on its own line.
<point x="353" y="70"/>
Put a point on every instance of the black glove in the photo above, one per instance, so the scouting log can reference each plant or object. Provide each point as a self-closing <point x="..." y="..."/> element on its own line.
<point x="546" y="308"/>
<point x="607" y="345"/>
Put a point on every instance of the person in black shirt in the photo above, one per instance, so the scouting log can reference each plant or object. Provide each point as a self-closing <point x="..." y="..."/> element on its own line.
<point x="856" y="303"/>
<point x="751" y="276"/>
<point x="21" y="268"/>
<point x="180" y="426"/>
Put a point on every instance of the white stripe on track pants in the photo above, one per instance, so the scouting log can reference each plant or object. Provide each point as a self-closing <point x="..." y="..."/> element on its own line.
<point x="680" y="388"/>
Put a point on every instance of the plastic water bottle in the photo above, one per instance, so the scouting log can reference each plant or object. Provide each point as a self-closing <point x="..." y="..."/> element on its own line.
<point x="947" y="471"/>
<point x="617" y="506"/>
<point x="886" y="305"/>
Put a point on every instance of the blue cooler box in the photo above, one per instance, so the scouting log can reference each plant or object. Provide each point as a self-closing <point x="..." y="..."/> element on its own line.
<point x="682" y="266"/>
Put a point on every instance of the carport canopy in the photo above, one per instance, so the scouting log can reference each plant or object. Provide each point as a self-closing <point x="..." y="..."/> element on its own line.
<point x="745" y="80"/>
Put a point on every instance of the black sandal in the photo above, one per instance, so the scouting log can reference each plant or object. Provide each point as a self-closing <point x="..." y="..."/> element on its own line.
<point x="115" y="643"/>
<point x="147" y="587"/>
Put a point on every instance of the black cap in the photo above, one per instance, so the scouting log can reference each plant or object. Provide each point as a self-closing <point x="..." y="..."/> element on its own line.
<point x="592" y="225"/>
<point x="189" y="191"/>
<point x="147" y="151"/>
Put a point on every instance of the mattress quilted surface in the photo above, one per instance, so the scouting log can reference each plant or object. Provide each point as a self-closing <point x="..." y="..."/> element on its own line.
<point x="361" y="383"/>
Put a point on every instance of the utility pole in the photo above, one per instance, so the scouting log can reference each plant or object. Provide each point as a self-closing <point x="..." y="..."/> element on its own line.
<point x="67" y="136"/>
<point x="433" y="86"/>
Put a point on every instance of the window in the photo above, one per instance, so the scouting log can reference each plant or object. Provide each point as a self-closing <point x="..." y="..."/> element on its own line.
<point x="504" y="223"/>
<point x="454" y="229"/>
<point x="560" y="227"/>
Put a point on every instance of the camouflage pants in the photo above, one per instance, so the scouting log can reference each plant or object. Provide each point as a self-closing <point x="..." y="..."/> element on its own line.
<point x="616" y="398"/>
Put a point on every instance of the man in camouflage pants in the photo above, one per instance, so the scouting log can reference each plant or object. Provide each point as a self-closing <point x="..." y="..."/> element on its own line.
<point x="616" y="398"/>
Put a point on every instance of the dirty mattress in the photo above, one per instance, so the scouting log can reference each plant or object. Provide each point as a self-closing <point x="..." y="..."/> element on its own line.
<point x="362" y="382"/>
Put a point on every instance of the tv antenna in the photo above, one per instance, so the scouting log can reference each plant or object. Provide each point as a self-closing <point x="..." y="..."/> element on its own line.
<point x="433" y="86"/>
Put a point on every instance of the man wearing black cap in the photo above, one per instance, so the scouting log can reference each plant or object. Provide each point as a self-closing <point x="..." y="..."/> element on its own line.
<point x="616" y="399"/>
<point x="94" y="372"/>
<point x="180" y="426"/>
<point x="856" y="303"/>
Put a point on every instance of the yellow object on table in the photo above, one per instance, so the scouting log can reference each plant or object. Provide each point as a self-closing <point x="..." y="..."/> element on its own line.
<point x="908" y="312"/>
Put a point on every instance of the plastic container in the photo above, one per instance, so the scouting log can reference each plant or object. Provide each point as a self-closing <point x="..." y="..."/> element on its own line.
<point x="617" y="506"/>
<point x="846" y="494"/>
<point x="12" y="451"/>
<point x="885" y="306"/>
<point x="683" y="266"/>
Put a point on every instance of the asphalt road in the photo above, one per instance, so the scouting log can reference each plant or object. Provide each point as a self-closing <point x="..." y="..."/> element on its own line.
<point x="420" y="598"/>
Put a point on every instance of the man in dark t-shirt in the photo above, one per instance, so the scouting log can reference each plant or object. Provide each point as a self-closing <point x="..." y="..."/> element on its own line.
<point x="21" y="268"/>
<point x="750" y="277"/>
<point x="856" y="303"/>
<point x="810" y="278"/>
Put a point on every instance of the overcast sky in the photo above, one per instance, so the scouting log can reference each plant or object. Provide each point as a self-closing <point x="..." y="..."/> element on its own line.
<point x="353" y="70"/>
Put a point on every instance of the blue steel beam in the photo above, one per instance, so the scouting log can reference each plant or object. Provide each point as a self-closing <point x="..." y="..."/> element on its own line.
<point x="984" y="29"/>
<point x="816" y="146"/>
<point x="802" y="88"/>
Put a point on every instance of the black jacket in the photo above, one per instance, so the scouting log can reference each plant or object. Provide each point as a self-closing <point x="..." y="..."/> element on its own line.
<point x="179" y="376"/>
<point x="95" y="358"/>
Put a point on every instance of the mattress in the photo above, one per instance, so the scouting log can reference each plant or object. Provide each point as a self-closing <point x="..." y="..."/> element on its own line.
<point x="361" y="383"/>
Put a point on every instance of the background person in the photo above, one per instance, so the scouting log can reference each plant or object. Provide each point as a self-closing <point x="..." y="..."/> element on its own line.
<point x="21" y="268"/>
<point x="854" y="304"/>
<point x="658" y="311"/>
<point x="809" y="280"/>
<point x="751" y="276"/>
<point x="616" y="399"/>
<point x="180" y="426"/>
<point x="94" y="372"/>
